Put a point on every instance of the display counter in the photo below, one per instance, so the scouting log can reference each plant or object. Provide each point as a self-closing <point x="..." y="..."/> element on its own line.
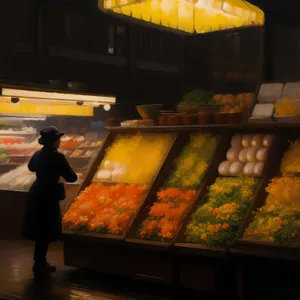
<point x="168" y="203"/>
<point x="21" y="118"/>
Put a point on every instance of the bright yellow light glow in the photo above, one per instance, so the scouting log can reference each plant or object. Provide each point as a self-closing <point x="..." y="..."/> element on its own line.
<point x="192" y="16"/>
<point x="45" y="109"/>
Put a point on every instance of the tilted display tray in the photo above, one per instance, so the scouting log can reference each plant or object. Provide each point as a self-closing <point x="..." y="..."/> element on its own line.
<point x="186" y="247"/>
<point x="259" y="248"/>
<point x="90" y="179"/>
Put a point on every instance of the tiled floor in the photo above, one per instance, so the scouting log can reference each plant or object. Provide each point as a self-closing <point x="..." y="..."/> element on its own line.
<point x="16" y="279"/>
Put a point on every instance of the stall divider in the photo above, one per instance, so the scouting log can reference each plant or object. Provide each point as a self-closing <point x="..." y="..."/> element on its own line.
<point x="208" y="177"/>
<point x="182" y="139"/>
<point x="158" y="179"/>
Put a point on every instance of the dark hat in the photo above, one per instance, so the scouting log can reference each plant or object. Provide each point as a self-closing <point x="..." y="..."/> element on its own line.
<point x="49" y="135"/>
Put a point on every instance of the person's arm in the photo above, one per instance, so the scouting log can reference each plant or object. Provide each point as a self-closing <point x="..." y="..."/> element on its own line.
<point x="32" y="163"/>
<point x="66" y="171"/>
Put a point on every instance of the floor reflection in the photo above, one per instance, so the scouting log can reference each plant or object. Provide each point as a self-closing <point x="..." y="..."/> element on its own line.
<point x="17" y="281"/>
<point x="38" y="289"/>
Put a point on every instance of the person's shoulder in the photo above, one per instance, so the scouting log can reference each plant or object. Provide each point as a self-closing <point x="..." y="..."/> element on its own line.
<point x="59" y="155"/>
<point x="37" y="153"/>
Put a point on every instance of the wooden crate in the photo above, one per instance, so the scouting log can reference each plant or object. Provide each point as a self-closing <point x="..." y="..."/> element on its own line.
<point x="218" y="257"/>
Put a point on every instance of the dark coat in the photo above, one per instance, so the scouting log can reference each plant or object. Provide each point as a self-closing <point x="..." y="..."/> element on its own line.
<point x="42" y="219"/>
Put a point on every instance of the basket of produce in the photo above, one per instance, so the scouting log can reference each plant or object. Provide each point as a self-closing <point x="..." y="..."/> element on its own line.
<point x="198" y="101"/>
<point x="287" y="111"/>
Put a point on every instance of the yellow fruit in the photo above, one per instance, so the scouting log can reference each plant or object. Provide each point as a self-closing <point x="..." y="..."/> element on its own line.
<point x="218" y="98"/>
<point x="241" y="98"/>
<point x="237" y="108"/>
<point x="231" y="99"/>
<point x="243" y="106"/>
<point x="227" y="108"/>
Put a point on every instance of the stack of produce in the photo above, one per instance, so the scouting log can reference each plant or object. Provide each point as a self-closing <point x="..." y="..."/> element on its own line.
<point x="235" y="103"/>
<point x="279" y="219"/>
<point x="104" y="209"/>
<point x="246" y="156"/>
<point x="287" y="108"/>
<point x="134" y="158"/>
<point x="180" y="190"/>
<point x="17" y="131"/>
<point x="215" y="224"/>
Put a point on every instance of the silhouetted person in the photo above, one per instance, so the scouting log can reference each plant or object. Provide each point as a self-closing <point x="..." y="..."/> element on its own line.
<point x="42" y="220"/>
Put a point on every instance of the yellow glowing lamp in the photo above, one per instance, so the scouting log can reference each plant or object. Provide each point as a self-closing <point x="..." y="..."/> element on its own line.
<point x="191" y="16"/>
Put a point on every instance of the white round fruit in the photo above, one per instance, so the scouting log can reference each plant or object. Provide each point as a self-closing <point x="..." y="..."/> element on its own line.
<point x="257" y="141"/>
<point x="236" y="141"/>
<point x="248" y="169"/>
<point x="251" y="154"/>
<point x="233" y="153"/>
<point x="258" y="169"/>
<point x="108" y="165"/>
<point x="243" y="155"/>
<point x="268" y="140"/>
<point x="104" y="175"/>
<point x="246" y="140"/>
<point x="236" y="168"/>
<point x="262" y="154"/>
<point x="224" y="168"/>
<point x="117" y="175"/>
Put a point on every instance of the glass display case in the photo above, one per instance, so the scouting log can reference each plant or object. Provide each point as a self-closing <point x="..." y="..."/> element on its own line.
<point x="23" y="113"/>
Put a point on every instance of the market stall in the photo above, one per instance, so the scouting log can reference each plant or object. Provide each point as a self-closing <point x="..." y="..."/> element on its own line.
<point x="168" y="203"/>
<point x="24" y="112"/>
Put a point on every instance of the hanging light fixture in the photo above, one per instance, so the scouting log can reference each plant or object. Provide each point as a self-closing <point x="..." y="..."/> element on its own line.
<point x="191" y="16"/>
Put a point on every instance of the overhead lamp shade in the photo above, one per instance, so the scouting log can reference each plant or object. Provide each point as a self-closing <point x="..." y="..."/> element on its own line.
<point x="191" y="16"/>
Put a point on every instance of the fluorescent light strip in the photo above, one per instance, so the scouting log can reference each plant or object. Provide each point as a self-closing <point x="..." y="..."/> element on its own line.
<point x="56" y="96"/>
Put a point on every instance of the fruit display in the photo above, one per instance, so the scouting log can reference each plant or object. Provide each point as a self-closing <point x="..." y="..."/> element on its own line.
<point x="134" y="158"/>
<point x="104" y="209"/>
<point x="261" y="111"/>
<point x="216" y="222"/>
<point x="270" y="92"/>
<point x="18" y="131"/>
<point x="290" y="163"/>
<point x="180" y="189"/>
<point x="247" y="155"/>
<point x="287" y="108"/>
<point x="278" y="220"/>
<point x="19" y="178"/>
<point x="235" y="103"/>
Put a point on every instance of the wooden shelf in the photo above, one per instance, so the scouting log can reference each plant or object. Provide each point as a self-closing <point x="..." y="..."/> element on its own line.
<point x="245" y="127"/>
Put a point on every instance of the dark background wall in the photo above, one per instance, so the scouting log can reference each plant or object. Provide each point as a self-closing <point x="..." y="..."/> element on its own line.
<point x="74" y="41"/>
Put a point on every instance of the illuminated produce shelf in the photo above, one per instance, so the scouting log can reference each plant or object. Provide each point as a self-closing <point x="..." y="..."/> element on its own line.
<point x="172" y="239"/>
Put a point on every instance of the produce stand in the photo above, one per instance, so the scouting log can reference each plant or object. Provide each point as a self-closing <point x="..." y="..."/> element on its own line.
<point x="21" y="118"/>
<point x="107" y="252"/>
<point x="274" y="263"/>
<point x="176" y="261"/>
<point x="211" y="269"/>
